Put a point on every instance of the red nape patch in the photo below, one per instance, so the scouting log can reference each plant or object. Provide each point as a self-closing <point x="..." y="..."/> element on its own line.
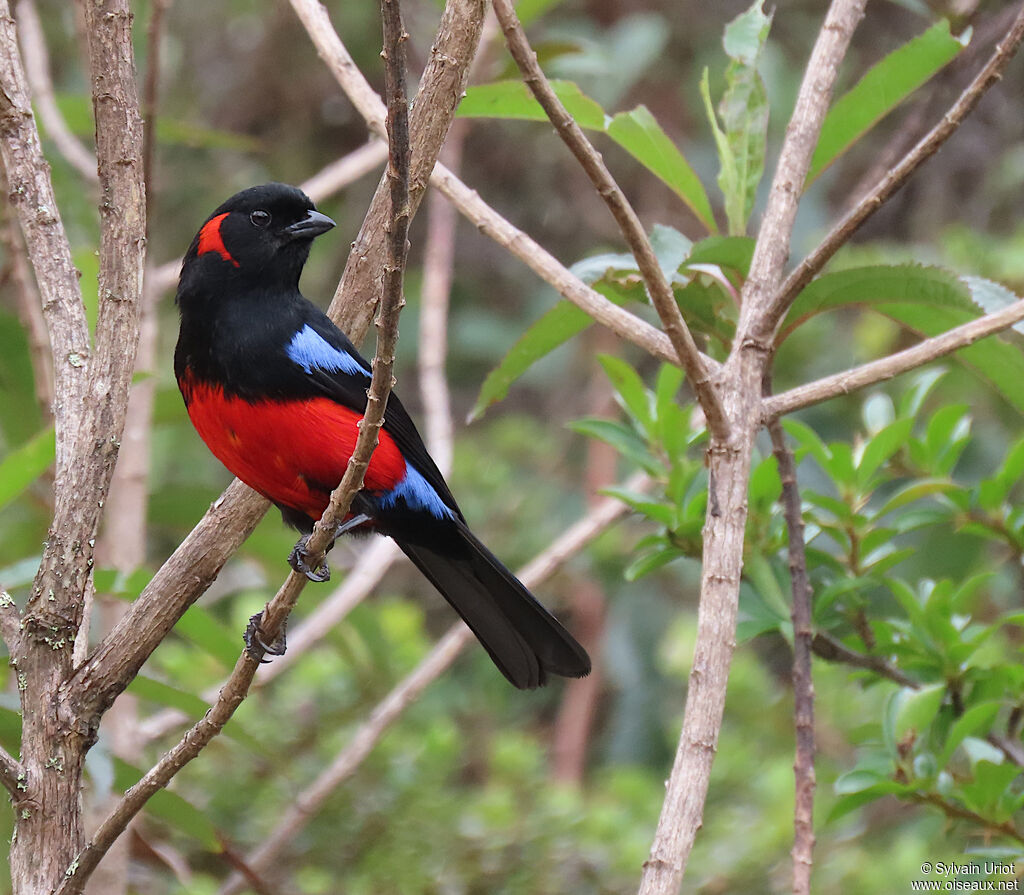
<point x="292" y="452"/>
<point x="210" y="239"/>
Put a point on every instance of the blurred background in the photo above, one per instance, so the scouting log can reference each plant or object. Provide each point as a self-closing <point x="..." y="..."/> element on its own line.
<point x="479" y="788"/>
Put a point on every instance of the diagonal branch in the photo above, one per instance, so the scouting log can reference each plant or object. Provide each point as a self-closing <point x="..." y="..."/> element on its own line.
<point x="276" y="613"/>
<point x="632" y="230"/>
<point x="894" y="179"/>
<point x="391" y="707"/>
<point x="490" y="222"/>
<point x="887" y="367"/>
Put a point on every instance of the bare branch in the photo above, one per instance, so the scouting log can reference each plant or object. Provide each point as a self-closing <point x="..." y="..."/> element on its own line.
<point x="761" y="306"/>
<point x="277" y="611"/>
<point x="487" y="220"/>
<point x="887" y="367"/>
<point x="391" y="707"/>
<point x="37" y="69"/>
<point x="151" y="94"/>
<point x="10" y="622"/>
<point x="899" y="174"/>
<point x="803" y="684"/>
<point x="729" y="470"/>
<point x="632" y="230"/>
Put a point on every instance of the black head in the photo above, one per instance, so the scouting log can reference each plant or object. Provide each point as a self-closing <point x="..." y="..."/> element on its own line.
<point x="263" y="234"/>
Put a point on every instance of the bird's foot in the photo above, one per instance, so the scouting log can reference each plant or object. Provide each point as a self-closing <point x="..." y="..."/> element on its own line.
<point x="298" y="559"/>
<point x="351" y="523"/>
<point x="257" y="647"/>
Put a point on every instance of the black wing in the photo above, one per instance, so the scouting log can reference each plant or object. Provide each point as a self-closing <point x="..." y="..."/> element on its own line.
<point x="348" y="387"/>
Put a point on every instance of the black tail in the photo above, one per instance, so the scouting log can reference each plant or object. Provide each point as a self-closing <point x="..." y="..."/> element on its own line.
<point x="523" y="638"/>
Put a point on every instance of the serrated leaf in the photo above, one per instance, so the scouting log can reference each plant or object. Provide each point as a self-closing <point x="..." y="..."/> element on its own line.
<point x="881" y="90"/>
<point x="26" y="463"/>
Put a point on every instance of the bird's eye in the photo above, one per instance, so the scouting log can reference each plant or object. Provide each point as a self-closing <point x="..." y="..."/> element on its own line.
<point x="260" y="218"/>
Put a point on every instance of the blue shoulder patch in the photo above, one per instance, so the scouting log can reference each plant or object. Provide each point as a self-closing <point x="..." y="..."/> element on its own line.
<point x="309" y="349"/>
<point x="418" y="494"/>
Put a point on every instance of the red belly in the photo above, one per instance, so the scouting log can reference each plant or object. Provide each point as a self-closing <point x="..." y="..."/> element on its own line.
<point x="292" y="452"/>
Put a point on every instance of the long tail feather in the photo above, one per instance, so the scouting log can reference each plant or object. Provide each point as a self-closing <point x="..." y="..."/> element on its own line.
<point x="523" y="639"/>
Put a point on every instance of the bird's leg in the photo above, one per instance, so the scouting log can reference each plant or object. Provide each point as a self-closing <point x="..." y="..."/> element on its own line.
<point x="350" y="524"/>
<point x="298" y="559"/>
<point x="255" y="645"/>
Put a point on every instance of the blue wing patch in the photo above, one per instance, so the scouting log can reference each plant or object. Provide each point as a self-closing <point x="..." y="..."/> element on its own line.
<point x="309" y="349"/>
<point x="418" y="494"/>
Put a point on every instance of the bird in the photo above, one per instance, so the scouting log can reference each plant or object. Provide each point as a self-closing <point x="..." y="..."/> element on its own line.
<point x="276" y="390"/>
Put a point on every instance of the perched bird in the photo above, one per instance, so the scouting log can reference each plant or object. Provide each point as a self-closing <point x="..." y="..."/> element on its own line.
<point x="276" y="390"/>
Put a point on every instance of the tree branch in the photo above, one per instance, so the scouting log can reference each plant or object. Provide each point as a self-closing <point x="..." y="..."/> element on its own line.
<point x="12" y="775"/>
<point x="729" y="470"/>
<point x="486" y="219"/>
<point x="391" y="707"/>
<point x="276" y="613"/>
<point x="37" y="70"/>
<point x="658" y="288"/>
<point x="887" y="367"/>
<point x="898" y="175"/>
<point x="803" y="683"/>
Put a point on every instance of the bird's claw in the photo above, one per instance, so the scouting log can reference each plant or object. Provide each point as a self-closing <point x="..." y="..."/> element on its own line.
<point x="298" y="559"/>
<point x="255" y="645"/>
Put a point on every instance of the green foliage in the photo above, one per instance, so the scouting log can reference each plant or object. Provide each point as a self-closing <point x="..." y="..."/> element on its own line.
<point x="742" y="136"/>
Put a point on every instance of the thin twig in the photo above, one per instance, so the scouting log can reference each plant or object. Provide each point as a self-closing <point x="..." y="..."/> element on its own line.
<point x="391" y="707"/>
<point x="959" y="812"/>
<point x="12" y="775"/>
<point x="894" y="364"/>
<point x="37" y="68"/>
<point x="658" y="288"/>
<point x="803" y="683"/>
<point x="830" y="649"/>
<point x="897" y="176"/>
<point x="277" y="611"/>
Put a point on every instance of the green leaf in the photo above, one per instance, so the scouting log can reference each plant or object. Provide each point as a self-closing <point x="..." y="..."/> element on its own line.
<point x="554" y="328"/>
<point x="744" y="115"/>
<point x="881" y="90"/>
<point x="636" y="131"/>
<point x="168" y="696"/>
<point x="170" y="807"/>
<point x="975" y="721"/>
<point x="623" y="439"/>
<point x="26" y="463"/>
<point x="513" y="100"/>
<point x="650" y="562"/>
<point x="629" y="388"/>
<point x="639" y="133"/>
<point x="877" y="285"/>
<point x="880" y="448"/>
<point x="914" y="710"/>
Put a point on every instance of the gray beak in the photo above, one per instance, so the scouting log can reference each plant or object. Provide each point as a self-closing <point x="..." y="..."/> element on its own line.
<point x="312" y="225"/>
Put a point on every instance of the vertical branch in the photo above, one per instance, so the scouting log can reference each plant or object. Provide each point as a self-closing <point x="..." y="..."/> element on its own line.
<point x="803" y="683"/>
<point x="151" y="95"/>
<point x="729" y="468"/>
<point x="276" y="613"/>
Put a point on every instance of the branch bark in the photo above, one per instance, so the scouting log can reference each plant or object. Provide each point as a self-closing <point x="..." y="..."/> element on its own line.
<point x="897" y="176"/>
<point x="275" y="615"/>
<point x="893" y="365"/>
<point x="729" y="468"/>
<point x="658" y="288"/>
